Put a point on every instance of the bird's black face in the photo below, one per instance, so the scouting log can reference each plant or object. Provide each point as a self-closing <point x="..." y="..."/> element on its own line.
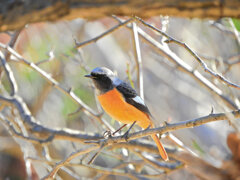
<point x="101" y="77"/>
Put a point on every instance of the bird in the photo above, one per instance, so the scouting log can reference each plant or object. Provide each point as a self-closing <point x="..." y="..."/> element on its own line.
<point x="121" y="102"/>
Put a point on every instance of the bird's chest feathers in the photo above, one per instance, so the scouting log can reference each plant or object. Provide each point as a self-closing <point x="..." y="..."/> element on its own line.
<point x="115" y="105"/>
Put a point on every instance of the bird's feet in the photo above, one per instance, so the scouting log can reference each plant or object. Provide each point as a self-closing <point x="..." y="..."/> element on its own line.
<point x="125" y="136"/>
<point x="107" y="134"/>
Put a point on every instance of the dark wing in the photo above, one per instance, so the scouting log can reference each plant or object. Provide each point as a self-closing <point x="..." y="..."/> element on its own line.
<point x="132" y="97"/>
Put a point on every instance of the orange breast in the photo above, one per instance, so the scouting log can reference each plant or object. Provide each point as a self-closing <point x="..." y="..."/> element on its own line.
<point x="115" y="105"/>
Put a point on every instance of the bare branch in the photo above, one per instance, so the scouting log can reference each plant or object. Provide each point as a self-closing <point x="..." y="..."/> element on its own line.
<point x="167" y="128"/>
<point x="51" y="57"/>
<point x="65" y="91"/>
<point x="138" y="59"/>
<point x="102" y="170"/>
<point x="68" y="159"/>
<point x="173" y="127"/>
<point x="221" y="27"/>
<point x="20" y="135"/>
<point x="9" y="74"/>
<point x="96" y="154"/>
<point x="184" y="45"/>
<point x="28" y="119"/>
<point x="167" y="167"/>
<point x="4" y="58"/>
<point x="97" y="141"/>
<point x="203" y="64"/>
<point x="78" y="45"/>
<point x="12" y="42"/>
<point x="181" y="65"/>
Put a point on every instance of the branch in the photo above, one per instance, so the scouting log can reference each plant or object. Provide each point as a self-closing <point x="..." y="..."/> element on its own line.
<point x="20" y="135"/>
<point x="34" y="127"/>
<point x="167" y="167"/>
<point x="134" y="144"/>
<point x="78" y="45"/>
<point x="98" y="169"/>
<point x="54" y="83"/>
<point x="173" y="127"/>
<point x="9" y="74"/>
<point x="181" y="65"/>
<point x="68" y="159"/>
<point x="30" y="119"/>
<point x="138" y="59"/>
<point x="184" y="45"/>
<point x="193" y="163"/>
<point x="4" y="58"/>
<point x="219" y="26"/>
<point x="121" y="141"/>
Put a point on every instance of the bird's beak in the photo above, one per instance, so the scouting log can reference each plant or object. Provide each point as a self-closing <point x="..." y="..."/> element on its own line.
<point x="88" y="76"/>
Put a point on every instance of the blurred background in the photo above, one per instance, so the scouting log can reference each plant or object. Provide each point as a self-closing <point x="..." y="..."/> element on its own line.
<point x="171" y="94"/>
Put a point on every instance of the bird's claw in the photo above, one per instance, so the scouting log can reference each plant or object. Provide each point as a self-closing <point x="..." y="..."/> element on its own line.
<point x="107" y="134"/>
<point x="125" y="136"/>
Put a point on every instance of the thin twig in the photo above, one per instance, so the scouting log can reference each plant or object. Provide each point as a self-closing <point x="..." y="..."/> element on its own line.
<point x="48" y="77"/>
<point x="9" y="74"/>
<point x="51" y="57"/>
<point x="13" y="92"/>
<point x="4" y="58"/>
<point x="158" y="164"/>
<point x="221" y="27"/>
<point x="96" y="154"/>
<point x="120" y="166"/>
<point x="64" y="134"/>
<point x="68" y="159"/>
<point x="118" y="139"/>
<point x="181" y="65"/>
<point x="184" y="45"/>
<point x="78" y="45"/>
<point x="175" y="126"/>
<point x="138" y="59"/>
<point x="172" y="127"/>
<point x="20" y="135"/>
<point x="203" y="64"/>
<point x="229" y="62"/>
<point x="98" y="169"/>
<point x="71" y="173"/>
<point x="232" y="60"/>
<point x="54" y="83"/>
<point x="14" y="38"/>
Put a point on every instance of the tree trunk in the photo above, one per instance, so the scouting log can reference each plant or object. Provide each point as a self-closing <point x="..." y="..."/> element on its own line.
<point x="16" y="13"/>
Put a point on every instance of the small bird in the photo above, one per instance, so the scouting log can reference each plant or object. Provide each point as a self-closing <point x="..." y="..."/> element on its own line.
<point x="122" y="102"/>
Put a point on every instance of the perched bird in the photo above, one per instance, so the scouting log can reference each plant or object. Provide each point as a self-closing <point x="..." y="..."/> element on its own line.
<point x="122" y="102"/>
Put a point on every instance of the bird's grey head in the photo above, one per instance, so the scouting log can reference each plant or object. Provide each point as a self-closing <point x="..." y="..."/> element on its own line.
<point x="102" y="71"/>
<point x="102" y="78"/>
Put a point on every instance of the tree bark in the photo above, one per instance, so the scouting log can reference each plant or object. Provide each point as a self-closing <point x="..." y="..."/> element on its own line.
<point x="16" y="13"/>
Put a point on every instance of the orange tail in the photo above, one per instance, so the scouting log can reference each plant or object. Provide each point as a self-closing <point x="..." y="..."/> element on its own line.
<point x="161" y="149"/>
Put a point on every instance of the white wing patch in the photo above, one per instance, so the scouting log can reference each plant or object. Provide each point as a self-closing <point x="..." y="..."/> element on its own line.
<point x="116" y="81"/>
<point x="139" y="100"/>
